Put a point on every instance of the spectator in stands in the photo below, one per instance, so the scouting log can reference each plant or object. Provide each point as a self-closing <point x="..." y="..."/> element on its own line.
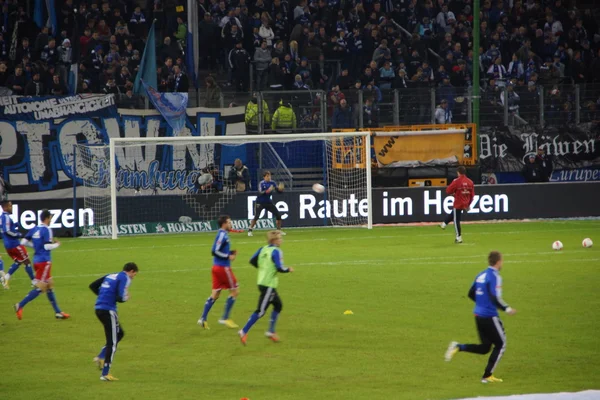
<point x="213" y="93"/>
<point x="335" y="97"/>
<point x="17" y="81"/>
<point x="370" y="118"/>
<point x="265" y="31"/>
<point x="180" y="81"/>
<point x="35" y="87"/>
<point x="111" y="87"/>
<point x="549" y="74"/>
<point x="239" y="176"/>
<point x="181" y="33"/>
<point x="276" y="77"/>
<point x="443" y="114"/>
<point x="512" y="99"/>
<point x="24" y="50"/>
<point x="129" y="100"/>
<point x="41" y="41"/>
<point x="65" y="58"/>
<point x="532" y="170"/>
<point x="137" y="23"/>
<point x="343" y="116"/>
<point x="262" y="62"/>
<point x="240" y="63"/>
<point x="545" y="163"/>
<point x="50" y="53"/>
<point x="57" y="87"/>
<point x="3" y="73"/>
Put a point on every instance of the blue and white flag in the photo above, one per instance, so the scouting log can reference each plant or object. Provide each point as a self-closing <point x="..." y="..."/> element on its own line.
<point x="172" y="106"/>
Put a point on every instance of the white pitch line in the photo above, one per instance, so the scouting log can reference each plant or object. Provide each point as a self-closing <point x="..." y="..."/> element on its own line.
<point x="62" y="250"/>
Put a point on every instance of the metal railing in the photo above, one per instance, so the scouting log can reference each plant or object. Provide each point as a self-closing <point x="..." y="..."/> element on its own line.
<point x="538" y="105"/>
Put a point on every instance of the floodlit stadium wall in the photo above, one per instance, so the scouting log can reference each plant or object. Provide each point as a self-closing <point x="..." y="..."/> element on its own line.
<point x="304" y="209"/>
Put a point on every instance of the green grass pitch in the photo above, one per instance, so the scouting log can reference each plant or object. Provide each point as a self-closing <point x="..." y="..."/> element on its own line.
<point x="407" y="287"/>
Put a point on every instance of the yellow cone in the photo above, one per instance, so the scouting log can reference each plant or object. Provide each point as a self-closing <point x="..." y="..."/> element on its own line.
<point x="348" y="312"/>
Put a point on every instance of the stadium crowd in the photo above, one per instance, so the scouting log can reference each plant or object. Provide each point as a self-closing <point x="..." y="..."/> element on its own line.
<point x="290" y="45"/>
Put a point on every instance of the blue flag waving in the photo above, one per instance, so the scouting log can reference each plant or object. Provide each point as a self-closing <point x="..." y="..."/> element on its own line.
<point x="171" y="106"/>
<point x="147" y="71"/>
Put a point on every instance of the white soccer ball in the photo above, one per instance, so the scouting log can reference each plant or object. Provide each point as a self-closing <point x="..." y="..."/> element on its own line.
<point x="557" y="245"/>
<point x="318" y="188"/>
<point x="587" y="242"/>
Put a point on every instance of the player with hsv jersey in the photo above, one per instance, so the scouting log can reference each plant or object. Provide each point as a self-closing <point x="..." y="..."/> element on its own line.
<point x="111" y="289"/>
<point x="264" y="201"/>
<point x="486" y="292"/>
<point x="222" y="276"/>
<point x="463" y="191"/>
<point x="40" y="238"/>
<point x="11" y="237"/>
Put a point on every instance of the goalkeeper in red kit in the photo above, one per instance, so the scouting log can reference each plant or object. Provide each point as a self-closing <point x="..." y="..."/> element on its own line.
<point x="463" y="191"/>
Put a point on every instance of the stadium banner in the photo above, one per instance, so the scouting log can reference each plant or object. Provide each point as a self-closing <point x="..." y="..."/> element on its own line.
<point x="590" y="174"/>
<point x="505" y="149"/>
<point x="305" y="208"/>
<point x="426" y="150"/>
<point x="38" y="134"/>
<point x="173" y="227"/>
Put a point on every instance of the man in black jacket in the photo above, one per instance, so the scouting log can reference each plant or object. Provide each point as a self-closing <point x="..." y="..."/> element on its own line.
<point x="532" y="171"/>
<point x="17" y="81"/>
<point x="180" y="81"/>
<point x="545" y="162"/>
<point x="240" y="60"/>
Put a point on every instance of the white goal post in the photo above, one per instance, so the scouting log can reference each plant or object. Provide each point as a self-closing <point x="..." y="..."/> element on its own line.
<point x="346" y="162"/>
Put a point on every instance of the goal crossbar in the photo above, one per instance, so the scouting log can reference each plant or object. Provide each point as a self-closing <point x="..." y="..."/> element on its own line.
<point x="241" y="138"/>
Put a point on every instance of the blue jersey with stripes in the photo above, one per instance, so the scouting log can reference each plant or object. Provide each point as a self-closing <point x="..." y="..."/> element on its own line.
<point x="488" y="293"/>
<point x="113" y="289"/>
<point x="41" y="235"/>
<point x="220" y="249"/>
<point x="10" y="231"/>
<point x="263" y="196"/>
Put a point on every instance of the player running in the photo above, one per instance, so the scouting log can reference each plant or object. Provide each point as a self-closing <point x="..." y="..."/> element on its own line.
<point x="269" y="261"/>
<point x="222" y="276"/>
<point x="11" y="237"/>
<point x="40" y="238"/>
<point x="264" y="201"/>
<point x="486" y="292"/>
<point x="463" y="191"/>
<point x="111" y="289"/>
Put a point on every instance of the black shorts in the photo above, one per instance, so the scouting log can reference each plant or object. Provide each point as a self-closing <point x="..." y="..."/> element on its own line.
<point x="270" y="207"/>
<point x="268" y="295"/>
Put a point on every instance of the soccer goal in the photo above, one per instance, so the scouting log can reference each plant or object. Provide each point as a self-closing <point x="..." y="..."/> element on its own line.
<point x="182" y="184"/>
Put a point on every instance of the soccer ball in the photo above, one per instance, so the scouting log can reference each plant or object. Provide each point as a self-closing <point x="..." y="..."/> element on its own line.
<point x="587" y="242"/>
<point x="557" y="245"/>
<point x="318" y="188"/>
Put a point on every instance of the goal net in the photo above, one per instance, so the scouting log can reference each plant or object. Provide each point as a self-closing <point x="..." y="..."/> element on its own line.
<point x="182" y="184"/>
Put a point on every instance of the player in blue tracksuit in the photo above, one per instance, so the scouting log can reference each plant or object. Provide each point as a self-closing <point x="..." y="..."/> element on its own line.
<point x="41" y="239"/>
<point x="111" y="289"/>
<point x="12" y="243"/>
<point x="486" y="292"/>
<point x="264" y="201"/>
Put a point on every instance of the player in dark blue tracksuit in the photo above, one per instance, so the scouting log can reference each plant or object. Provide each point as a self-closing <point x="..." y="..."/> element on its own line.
<point x="111" y="289"/>
<point x="486" y="292"/>
<point x="264" y="201"/>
